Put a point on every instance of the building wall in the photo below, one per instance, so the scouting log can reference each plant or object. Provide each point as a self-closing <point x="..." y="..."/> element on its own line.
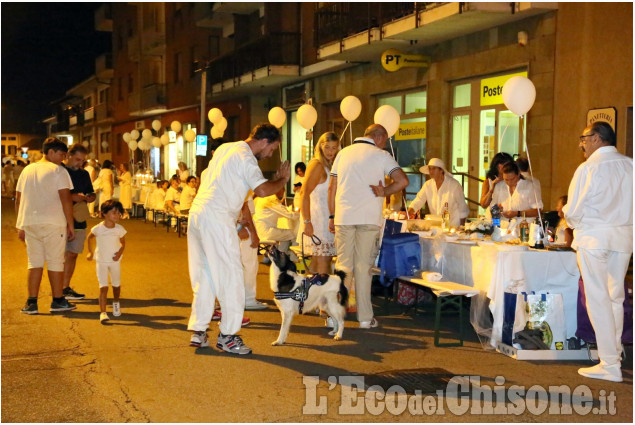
<point x="594" y="69"/>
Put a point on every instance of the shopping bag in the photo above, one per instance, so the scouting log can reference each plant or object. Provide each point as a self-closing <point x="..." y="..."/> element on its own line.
<point x="408" y="295"/>
<point x="513" y="316"/>
<point x="545" y="312"/>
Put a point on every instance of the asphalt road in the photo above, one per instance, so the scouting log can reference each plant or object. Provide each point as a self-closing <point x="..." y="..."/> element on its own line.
<point x="140" y="368"/>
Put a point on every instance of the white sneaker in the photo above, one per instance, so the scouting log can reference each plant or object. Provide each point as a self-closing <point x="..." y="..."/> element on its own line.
<point x="103" y="317"/>
<point x="367" y="325"/>
<point x="116" y="309"/>
<point x="256" y="305"/>
<point x="601" y="371"/>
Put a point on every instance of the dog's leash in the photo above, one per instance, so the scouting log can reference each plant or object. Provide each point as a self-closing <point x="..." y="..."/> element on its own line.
<point x="316" y="241"/>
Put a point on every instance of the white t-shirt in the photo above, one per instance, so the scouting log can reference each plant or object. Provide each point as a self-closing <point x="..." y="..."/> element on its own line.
<point x="157" y="199"/>
<point x="600" y="204"/>
<point x="173" y="195"/>
<point x="39" y="186"/>
<point x="232" y="171"/>
<point x="357" y="167"/>
<point x="450" y="192"/>
<point x="187" y="196"/>
<point x="522" y="199"/>
<point x="108" y="241"/>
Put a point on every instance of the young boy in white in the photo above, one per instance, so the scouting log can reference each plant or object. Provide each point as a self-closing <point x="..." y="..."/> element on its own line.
<point x="110" y="246"/>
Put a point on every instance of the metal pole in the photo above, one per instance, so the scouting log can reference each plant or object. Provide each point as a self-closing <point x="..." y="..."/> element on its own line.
<point x="203" y="95"/>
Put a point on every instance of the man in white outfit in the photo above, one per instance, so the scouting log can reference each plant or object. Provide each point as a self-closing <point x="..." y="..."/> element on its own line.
<point x="439" y="190"/>
<point x="213" y="243"/>
<point x="600" y="210"/>
<point x="356" y="196"/>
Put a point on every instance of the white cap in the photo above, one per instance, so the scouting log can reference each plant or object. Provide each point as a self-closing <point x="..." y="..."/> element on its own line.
<point x="435" y="162"/>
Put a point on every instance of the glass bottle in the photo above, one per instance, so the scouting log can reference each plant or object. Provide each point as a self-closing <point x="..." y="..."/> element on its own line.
<point x="524" y="230"/>
<point x="445" y="216"/>
<point x="539" y="236"/>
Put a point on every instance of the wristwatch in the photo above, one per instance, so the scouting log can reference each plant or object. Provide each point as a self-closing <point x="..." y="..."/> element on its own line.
<point x="331" y="217"/>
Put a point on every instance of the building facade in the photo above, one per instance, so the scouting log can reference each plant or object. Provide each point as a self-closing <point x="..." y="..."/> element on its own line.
<point x="175" y="61"/>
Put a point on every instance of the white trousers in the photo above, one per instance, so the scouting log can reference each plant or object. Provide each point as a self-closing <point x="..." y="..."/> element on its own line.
<point x="357" y="247"/>
<point x="249" y="259"/>
<point x="215" y="272"/>
<point x="112" y="269"/>
<point x="603" y="273"/>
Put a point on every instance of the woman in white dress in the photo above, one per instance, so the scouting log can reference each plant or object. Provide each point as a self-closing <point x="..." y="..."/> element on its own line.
<point x="314" y="209"/>
<point x="183" y="174"/>
<point x="125" y="188"/>
<point x="106" y="178"/>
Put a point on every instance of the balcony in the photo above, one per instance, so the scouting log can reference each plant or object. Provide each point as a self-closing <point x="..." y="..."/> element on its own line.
<point x="206" y="17"/>
<point x="89" y="114"/>
<point x="268" y="61"/>
<point x="72" y="121"/>
<point x="361" y="32"/>
<point x="151" y="100"/>
<point x="103" y="18"/>
<point x="103" y="112"/>
<point x="154" y="41"/>
<point x="103" y="67"/>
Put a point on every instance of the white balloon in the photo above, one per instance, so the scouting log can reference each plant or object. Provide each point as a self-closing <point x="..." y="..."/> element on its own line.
<point x="133" y="145"/>
<point x="104" y="144"/>
<point x="222" y="124"/>
<point x="134" y="134"/>
<point x="214" y="115"/>
<point x="350" y="107"/>
<point x="307" y="116"/>
<point x="388" y="117"/>
<point x="156" y="142"/>
<point x="156" y="125"/>
<point x="93" y="142"/>
<point x="190" y="135"/>
<point x="216" y="133"/>
<point x="85" y="144"/>
<point x="126" y="137"/>
<point x="277" y="116"/>
<point x="165" y="139"/>
<point x="175" y="126"/>
<point x="519" y="94"/>
<point x="146" y="134"/>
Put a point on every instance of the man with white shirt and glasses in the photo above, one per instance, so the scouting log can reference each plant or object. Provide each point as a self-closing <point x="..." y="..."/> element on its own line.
<point x="600" y="210"/>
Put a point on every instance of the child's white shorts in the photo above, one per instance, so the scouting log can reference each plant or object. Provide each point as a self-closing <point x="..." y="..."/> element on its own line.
<point x="104" y="269"/>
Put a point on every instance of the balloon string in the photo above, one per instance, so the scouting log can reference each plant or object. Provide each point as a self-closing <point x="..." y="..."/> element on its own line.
<point x="344" y="132"/>
<point x="280" y="151"/>
<point x="531" y="171"/>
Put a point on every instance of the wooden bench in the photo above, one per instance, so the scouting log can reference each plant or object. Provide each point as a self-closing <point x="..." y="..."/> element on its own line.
<point x="448" y="294"/>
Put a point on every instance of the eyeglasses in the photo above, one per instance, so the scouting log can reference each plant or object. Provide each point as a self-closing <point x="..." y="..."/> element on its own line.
<point x="585" y="136"/>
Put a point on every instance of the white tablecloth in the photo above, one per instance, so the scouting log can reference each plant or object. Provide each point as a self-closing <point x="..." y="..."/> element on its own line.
<point x="491" y="271"/>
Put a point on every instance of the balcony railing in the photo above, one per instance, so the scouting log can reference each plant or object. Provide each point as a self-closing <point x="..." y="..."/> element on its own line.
<point x="89" y="114"/>
<point x="274" y="49"/>
<point x="335" y="21"/>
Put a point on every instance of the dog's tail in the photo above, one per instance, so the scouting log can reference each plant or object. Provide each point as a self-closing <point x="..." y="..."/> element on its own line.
<point x="343" y="290"/>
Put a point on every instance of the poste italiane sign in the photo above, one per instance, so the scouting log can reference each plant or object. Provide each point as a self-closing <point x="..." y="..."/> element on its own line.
<point x="393" y="60"/>
<point x="492" y="88"/>
<point x="411" y="130"/>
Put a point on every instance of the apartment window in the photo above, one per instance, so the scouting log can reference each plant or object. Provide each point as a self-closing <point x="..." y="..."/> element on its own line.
<point x="214" y="46"/>
<point x="177" y="67"/>
<point x="104" y="137"/>
<point x="130" y="83"/>
<point x="193" y="61"/>
<point x="103" y="95"/>
<point x="12" y="138"/>
<point x="88" y="102"/>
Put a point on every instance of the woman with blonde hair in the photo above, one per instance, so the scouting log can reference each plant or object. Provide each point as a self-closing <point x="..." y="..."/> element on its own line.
<point x="314" y="209"/>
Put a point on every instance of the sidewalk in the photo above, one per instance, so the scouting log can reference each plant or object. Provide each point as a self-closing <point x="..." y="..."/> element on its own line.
<point x="140" y="368"/>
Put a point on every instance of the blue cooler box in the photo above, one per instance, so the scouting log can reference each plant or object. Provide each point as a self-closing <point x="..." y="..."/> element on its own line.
<point x="400" y="255"/>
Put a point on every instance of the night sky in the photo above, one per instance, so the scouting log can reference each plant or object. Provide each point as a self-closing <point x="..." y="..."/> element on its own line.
<point x="47" y="48"/>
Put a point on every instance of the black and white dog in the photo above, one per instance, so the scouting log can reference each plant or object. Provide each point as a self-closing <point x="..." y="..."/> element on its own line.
<point x="328" y="293"/>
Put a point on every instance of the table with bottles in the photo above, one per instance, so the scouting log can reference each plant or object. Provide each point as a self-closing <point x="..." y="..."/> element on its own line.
<point x="491" y="267"/>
